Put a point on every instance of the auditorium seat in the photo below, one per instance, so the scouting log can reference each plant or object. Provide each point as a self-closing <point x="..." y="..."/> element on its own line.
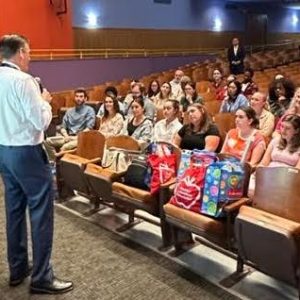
<point x="268" y="233"/>
<point x="71" y="164"/>
<point x="218" y="231"/>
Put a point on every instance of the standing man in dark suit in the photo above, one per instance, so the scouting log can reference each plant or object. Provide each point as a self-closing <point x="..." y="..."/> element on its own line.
<point x="236" y="55"/>
<point x="25" y="114"/>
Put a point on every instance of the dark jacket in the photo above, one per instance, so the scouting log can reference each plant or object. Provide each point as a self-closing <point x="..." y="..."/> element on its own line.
<point x="236" y="62"/>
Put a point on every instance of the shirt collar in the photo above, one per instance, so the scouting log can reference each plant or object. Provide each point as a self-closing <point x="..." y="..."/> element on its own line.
<point x="11" y="64"/>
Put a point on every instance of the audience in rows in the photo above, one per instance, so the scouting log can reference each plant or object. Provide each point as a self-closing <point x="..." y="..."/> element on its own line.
<point x="184" y="120"/>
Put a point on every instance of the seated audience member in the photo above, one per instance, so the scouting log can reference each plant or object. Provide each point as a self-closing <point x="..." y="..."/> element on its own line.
<point x="176" y="84"/>
<point x="79" y="118"/>
<point x="245" y="141"/>
<point x="218" y="84"/>
<point x="190" y="96"/>
<point x="112" y="121"/>
<point x="138" y="126"/>
<point x="266" y="119"/>
<point x="200" y="133"/>
<point x="138" y="90"/>
<point x="165" y="129"/>
<point x="114" y="91"/>
<point x="183" y="81"/>
<point x="153" y="89"/>
<point x="294" y="109"/>
<point x="164" y="95"/>
<point x="284" y="150"/>
<point x="281" y="93"/>
<point x="129" y="96"/>
<point x="235" y="99"/>
<point x="249" y="87"/>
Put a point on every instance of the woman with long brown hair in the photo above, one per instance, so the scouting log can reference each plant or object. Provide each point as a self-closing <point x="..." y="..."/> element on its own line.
<point x="200" y="132"/>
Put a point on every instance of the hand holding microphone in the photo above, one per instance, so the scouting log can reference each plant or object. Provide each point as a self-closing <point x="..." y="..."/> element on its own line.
<point x="45" y="94"/>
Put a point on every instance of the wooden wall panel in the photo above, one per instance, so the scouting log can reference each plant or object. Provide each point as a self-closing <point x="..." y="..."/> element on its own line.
<point x="162" y="39"/>
<point x="150" y="39"/>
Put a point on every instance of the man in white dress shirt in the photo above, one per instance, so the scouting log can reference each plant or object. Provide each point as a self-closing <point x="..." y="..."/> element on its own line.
<point x="25" y="114"/>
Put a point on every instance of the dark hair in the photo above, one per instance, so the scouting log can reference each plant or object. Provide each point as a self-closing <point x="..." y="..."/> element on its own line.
<point x="251" y="115"/>
<point x="250" y="71"/>
<point x="193" y="85"/>
<point x="139" y="100"/>
<point x="81" y="90"/>
<point x="294" y="145"/>
<point x="205" y="122"/>
<point x="150" y="92"/>
<point x="11" y="44"/>
<point x="160" y="93"/>
<point x="115" y="102"/>
<point x="216" y="69"/>
<point x="112" y="90"/>
<point x="288" y="86"/>
<point x="238" y="86"/>
<point x="175" y="104"/>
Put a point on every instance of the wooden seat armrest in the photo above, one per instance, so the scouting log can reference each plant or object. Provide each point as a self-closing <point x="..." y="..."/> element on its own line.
<point x="91" y="161"/>
<point x="234" y="206"/>
<point x="62" y="153"/>
<point x="95" y="160"/>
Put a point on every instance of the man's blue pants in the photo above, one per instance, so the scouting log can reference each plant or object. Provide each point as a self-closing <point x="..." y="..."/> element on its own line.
<point x="28" y="183"/>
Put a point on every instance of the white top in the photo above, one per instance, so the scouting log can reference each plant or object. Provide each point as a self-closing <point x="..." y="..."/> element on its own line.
<point x="165" y="132"/>
<point x="176" y="90"/>
<point x="24" y="114"/>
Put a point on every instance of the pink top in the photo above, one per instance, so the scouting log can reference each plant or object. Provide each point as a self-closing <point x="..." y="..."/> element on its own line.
<point x="282" y="158"/>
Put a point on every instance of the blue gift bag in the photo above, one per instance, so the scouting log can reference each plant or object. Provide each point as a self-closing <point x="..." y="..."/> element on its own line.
<point x="224" y="182"/>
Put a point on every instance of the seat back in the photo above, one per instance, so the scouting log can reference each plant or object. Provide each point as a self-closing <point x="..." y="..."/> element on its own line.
<point x="277" y="192"/>
<point x="123" y="142"/>
<point x="90" y="144"/>
<point x="224" y="122"/>
<point x="213" y="107"/>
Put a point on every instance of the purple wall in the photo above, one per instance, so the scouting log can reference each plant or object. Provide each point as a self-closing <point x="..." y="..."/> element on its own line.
<point x="68" y="74"/>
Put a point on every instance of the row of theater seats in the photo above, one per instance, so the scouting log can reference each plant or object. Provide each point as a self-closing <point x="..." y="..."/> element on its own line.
<point x="271" y="63"/>
<point x="263" y="231"/>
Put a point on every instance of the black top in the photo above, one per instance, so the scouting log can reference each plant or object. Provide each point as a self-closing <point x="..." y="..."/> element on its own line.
<point x="196" y="140"/>
<point x="131" y="128"/>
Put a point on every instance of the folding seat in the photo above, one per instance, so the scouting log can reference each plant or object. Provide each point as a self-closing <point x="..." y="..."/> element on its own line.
<point x="70" y="164"/>
<point x="268" y="233"/>
<point x="100" y="179"/>
<point x="216" y="232"/>
<point x="129" y="199"/>
<point x="213" y="107"/>
<point x="224" y="122"/>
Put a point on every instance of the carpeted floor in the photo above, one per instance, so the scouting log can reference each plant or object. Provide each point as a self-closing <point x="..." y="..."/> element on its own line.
<point x="104" y="265"/>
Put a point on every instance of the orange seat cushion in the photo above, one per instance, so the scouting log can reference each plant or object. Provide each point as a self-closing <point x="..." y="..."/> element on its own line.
<point x="120" y="189"/>
<point x="97" y="171"/>
<point x="204" y="223"/>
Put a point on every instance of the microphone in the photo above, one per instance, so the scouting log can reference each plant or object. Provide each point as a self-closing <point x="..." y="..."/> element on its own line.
<point x="39" y="81"/>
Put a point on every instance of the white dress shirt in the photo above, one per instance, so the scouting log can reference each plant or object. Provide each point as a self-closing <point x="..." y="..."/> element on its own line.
<point x="24" y="114"/>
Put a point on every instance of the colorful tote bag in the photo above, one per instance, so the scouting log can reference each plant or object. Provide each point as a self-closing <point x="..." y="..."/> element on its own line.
<point x="224" y="182"/>
<point x="188" y="191"/>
